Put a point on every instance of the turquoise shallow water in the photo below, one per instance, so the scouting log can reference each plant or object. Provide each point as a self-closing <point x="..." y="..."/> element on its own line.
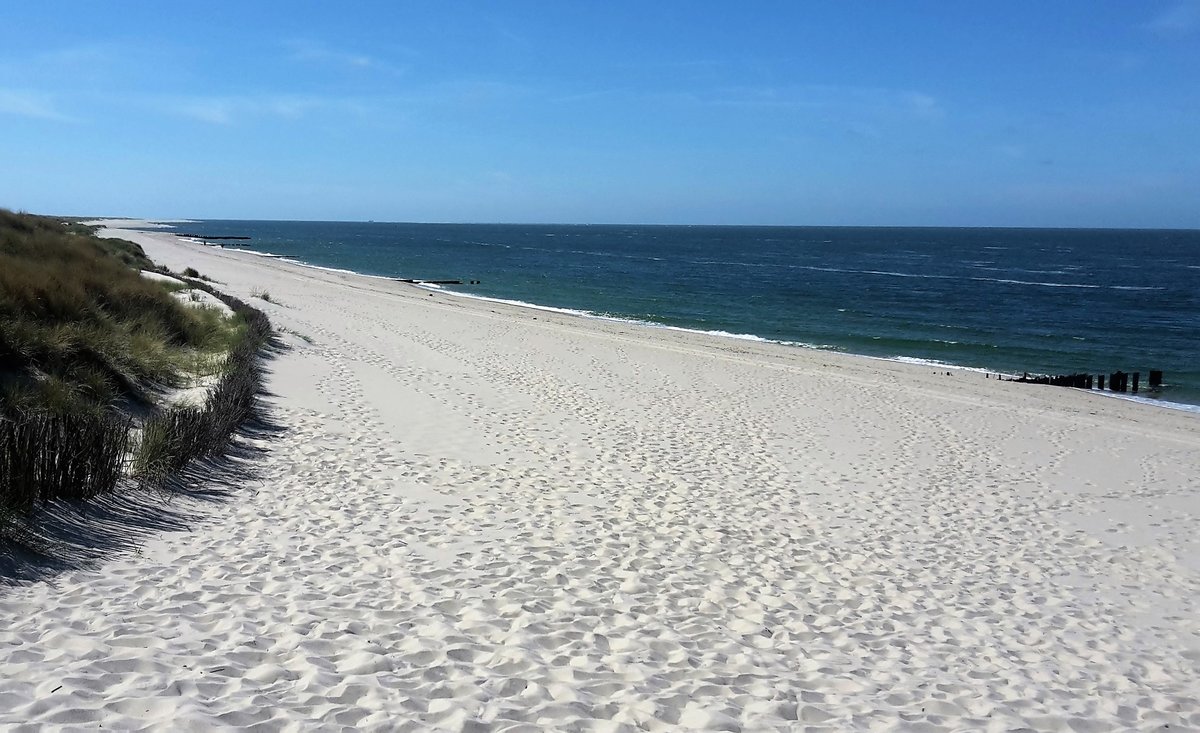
<point x="1009" y="300"/>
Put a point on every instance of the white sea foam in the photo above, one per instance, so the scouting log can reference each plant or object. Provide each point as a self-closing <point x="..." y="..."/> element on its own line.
<point x="255" y="253"/>
<point x="301" y="263"/>
<point x="339" y="270"/>
<point x="939" y="364"/>
<point x="640" y="322"/>
<point x="1152" y="401"/>
<point x="740" y="336"/>
<point x="534" y="306"/>
<point x="930" y="276"/>
<point x="1010" y="281"/>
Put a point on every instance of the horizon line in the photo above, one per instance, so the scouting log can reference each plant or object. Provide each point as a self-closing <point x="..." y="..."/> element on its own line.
<point x="184" y="220"/>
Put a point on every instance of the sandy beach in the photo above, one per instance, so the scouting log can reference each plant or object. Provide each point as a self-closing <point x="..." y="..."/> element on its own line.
<point x="485" y="517"/>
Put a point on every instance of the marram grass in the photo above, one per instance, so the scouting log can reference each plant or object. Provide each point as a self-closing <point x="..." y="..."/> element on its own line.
<point x="83" y="338"/>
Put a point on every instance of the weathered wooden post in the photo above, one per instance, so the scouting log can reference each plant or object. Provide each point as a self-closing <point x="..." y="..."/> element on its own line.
<point x="1116" y="382"/>
<point x="1155" y="378"/>
<point x="1136" y="376"/>
<point x="1100" y="381"/>
<point x="1088" y="384"/>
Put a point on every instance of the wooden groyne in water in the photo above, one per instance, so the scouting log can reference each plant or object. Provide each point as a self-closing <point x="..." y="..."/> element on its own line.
<point x="411" y="281"/>
<point x="208" y="236"/>
<point x="1117" y="381"/>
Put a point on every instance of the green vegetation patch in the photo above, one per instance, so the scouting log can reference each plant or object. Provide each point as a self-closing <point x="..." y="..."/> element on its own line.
<point x="80" y="329"/>
<point x="86" y="346"/>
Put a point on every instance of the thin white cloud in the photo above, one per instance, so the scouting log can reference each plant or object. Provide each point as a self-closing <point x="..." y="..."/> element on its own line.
<point x="863" y="112"/>
<point x="500" y="178"/>
<point x="35" y="105"/>
<point x="899" y="102"/>
<point x="861" y="108"/>
<point x="318" y="53"/>
<point x="464" y="93"/>
<point x="469" y="91"/>
<point x="923" y="106"/>
<point x="592" y="95"/>
<point x="226" y="110"/>
<point x="292" y="107"/>
<point x="1180" y="19"/>
<point x="57" y="66"/>
<point x="211" y="110"/>
<point x="238" y="109"/>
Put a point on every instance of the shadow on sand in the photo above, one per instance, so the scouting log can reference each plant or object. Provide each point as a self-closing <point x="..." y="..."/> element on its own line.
<point x="62" y="536"/>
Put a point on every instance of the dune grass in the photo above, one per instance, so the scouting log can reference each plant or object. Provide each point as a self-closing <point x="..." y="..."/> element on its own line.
<point x="174" y="437"/>
<point x="86" y="343"/>
<point x="74" y="456"/>
<point x="80" y="329"/>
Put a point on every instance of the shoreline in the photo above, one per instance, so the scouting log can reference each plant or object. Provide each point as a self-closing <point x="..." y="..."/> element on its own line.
<point x="931" y="363"/>
<point x="913" y="367"/>
<point x="481" y="515"/>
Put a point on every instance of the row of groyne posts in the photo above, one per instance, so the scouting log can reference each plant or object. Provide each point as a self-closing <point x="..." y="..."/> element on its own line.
<point x="1117" y="381"/>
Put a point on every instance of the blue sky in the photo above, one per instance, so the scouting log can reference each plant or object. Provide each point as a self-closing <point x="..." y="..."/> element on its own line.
<point x="830" y="113"/>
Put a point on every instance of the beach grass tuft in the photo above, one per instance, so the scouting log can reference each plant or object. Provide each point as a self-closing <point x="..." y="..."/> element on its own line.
<point x="179" y="435"/>
<point x="84" y="338"/>
<point x="77" y="321"/>
<point x="74" y="456"/>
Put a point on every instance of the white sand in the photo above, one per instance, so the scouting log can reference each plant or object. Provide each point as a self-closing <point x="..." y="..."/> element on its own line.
<point x="116" y="222"/>
<point x="189" y="296"/>
<point x="488" y="518"/>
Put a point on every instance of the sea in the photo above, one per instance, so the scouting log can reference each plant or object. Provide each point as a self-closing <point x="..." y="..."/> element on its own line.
<point x="1008" y="301"/>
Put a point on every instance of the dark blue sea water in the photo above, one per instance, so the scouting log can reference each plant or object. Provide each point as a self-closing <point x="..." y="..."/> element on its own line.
<point x="1008" y="300"/>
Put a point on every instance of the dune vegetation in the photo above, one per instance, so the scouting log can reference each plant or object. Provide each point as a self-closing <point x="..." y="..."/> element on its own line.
<point x="91" y="351"/>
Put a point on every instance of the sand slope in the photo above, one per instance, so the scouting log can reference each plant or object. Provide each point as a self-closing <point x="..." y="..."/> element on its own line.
<point x="483" y="518"/>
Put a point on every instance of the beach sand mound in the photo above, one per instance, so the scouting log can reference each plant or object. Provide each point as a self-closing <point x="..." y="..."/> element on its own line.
<point x="189" y="296"/>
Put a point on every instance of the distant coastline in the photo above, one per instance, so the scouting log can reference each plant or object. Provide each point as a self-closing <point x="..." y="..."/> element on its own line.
<point x="949" y="298"/>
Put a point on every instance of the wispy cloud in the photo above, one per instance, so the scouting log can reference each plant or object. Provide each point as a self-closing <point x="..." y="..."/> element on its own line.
<point x="863" y="113"/>
<point x="217" y="109"/>
<point x="914" y="104"/>
<point x="212" y="110"/>
<point x="226" y="110"/>
<point x="35" y="105"/>
<point x="1180" y="19"/>
<point x="314" y="52"/>
<point x="921" y="105"/>
<point x="896" y="103"/>
<point x="597" y="94"/>
<point x="469" y="92"/>
<point x="72" y="65"/>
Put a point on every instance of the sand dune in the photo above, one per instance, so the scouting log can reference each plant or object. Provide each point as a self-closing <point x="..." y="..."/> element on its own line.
<point x="484" y="518"/>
